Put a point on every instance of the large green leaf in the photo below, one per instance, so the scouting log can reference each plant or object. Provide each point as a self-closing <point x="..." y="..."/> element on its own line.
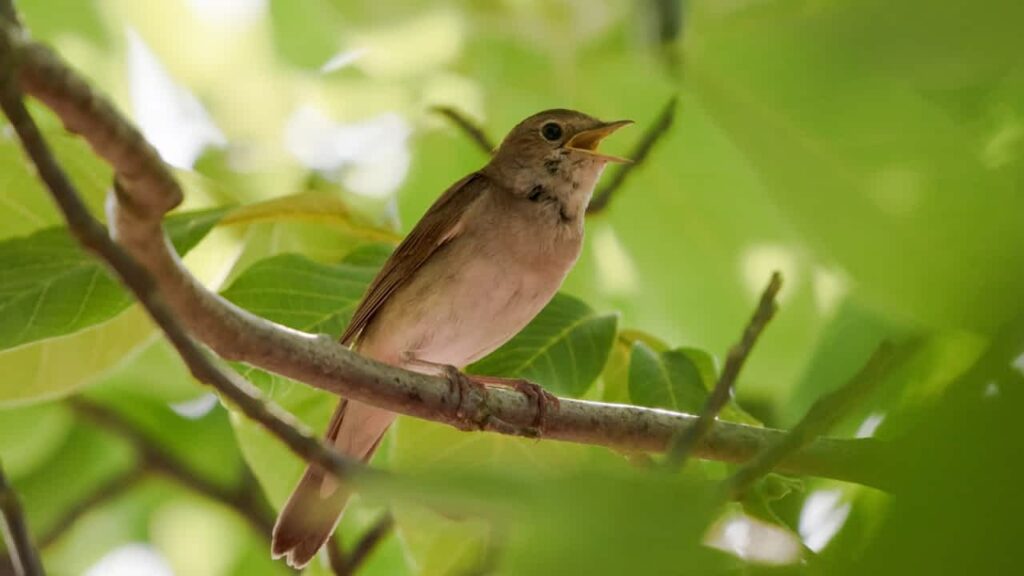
<point x="51" y="287"/>
<point x="56" y="366"/>
<point x="564" y="348"/>
<point x="299" y="293"/>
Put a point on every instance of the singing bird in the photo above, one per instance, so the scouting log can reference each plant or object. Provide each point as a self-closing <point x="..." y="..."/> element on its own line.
<point x="479" y="265"/>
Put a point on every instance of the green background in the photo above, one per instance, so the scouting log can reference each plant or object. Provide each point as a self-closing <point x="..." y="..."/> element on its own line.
<point x="871" y="151"/>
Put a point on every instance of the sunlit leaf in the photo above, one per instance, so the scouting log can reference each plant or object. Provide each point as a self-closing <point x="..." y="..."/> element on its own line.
<point x="51" y="287"/>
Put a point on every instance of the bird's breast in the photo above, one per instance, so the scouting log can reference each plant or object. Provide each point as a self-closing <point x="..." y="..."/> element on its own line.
<point x="476" y="292"/>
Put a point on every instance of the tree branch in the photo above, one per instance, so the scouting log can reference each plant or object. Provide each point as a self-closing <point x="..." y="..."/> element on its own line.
<point x="822" y="416"/>
<point x="125" y="147"/>
<point x="16" y="535"/>
<point x="343" y="564"/>
<point x="604" y="194"/>
<point x="142" y="195"/>
<point x="683" y="444"/>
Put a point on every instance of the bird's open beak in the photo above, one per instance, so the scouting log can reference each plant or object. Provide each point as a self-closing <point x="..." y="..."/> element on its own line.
<point x="587" y="140"/>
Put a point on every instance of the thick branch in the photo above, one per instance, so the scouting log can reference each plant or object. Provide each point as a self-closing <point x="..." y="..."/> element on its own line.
<point x="683" y="444"/>
<point x="15" y="532"/>
<point x="135" y="212"/>
<point x="122" y="146"/>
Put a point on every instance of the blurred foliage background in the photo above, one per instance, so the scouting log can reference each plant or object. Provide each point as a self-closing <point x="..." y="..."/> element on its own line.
<point x="872" y="151"/>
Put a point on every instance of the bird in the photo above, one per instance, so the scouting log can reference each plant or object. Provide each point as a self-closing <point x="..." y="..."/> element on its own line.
<point x="482" y="262"/>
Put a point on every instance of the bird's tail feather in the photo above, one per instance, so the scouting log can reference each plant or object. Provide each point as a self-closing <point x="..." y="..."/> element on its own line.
<point x="314" y="508"/>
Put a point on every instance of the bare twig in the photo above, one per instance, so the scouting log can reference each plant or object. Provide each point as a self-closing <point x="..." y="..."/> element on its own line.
<point x="604" y="194"/>
<point x="343" y="564"/>
<point x="822" y="416"/>
<point x="470" y="128"/>
<point x="91" y="234"/>
<point x="136" y="214"/>
<point x="16" y="535"/>
<point x="683" y="444"/>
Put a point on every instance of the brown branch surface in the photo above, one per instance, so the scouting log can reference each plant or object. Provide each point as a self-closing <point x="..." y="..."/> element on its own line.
<point x="125" y="149"/>
<point x="23" y="553"/>
<point x="683" y="444"/>
<point x="135" y="214"/>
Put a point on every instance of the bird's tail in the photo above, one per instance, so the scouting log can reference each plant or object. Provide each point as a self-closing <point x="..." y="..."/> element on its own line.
<point x="314" y="508"/>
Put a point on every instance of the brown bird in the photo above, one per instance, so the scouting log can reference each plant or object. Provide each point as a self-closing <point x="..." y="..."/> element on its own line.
<point x="479" y="265"/>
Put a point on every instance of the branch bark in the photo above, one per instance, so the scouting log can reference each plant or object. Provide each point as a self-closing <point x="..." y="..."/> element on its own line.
<point x="125" y="147"/>
<point x="145" y="191"/>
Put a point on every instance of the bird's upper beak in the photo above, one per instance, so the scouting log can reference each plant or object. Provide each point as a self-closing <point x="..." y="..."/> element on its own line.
<point x="587" y="140"/>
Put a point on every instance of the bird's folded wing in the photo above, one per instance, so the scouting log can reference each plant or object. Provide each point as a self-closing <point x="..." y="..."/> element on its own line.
<point x="441" y="223"/>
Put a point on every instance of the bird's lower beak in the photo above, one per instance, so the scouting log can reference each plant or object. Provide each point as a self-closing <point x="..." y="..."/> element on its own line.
<point x="587" y="140"/>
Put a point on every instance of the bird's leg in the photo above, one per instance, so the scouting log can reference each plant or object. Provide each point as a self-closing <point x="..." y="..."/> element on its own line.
<point x="541" y="397"/>
<point x="467" y="385"/>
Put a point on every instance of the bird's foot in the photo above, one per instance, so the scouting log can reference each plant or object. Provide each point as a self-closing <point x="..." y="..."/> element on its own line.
<point x="474" y="413"/>
<point x="541" y="397"/>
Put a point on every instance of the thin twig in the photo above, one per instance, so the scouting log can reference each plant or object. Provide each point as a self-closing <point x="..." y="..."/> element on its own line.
<point x="822" y="416"/>
<point x="604" y="194"/>
<point x="91" y="234"/>
<point x="16" y="534"/>
<point x="235" y="334"/>
<point x="343" y="564"/>
<point x="243" y="498"/>
<point x="469" y="127"/>
<point x="681" y="447"/>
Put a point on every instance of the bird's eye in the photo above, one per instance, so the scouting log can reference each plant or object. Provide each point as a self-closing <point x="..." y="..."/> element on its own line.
<point x="551" y="131"/>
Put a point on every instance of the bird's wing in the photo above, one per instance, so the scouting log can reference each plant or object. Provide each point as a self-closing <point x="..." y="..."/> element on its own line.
<point x="441" y="223"/>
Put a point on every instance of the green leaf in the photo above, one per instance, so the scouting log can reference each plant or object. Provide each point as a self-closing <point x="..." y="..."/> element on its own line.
<point x="51" y="287"/>
<point x="564" y="348"/>
<point x="667" y="380"/>
<point x="678" y="379"/>
<point x="302" y="294"/>
<point x="31" y="372"/>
